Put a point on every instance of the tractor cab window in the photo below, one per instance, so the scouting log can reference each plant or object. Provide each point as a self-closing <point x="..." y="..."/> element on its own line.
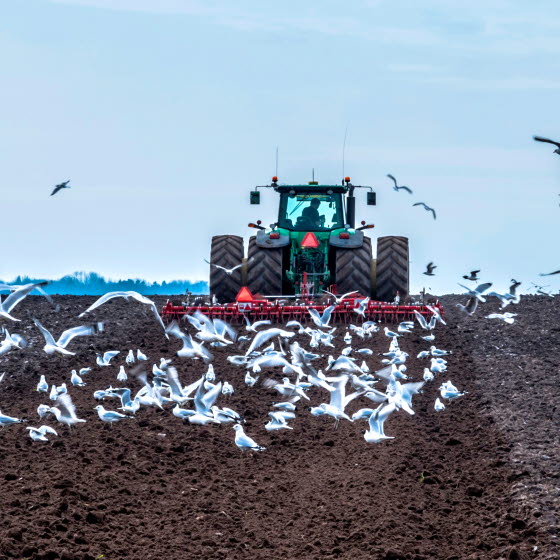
<point x="311" y="211"/>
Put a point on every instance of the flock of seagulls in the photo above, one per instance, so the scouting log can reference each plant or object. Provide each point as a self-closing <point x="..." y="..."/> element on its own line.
<point x="257" y="350"/>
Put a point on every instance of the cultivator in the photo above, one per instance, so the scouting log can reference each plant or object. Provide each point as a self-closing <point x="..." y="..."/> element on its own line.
<point x="281" y="310"/>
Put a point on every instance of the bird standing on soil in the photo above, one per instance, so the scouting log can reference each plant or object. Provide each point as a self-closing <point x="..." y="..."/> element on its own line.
<point x="243" y="441"/>
<point x="548" y="141"/>
<point x="430" y="267"/>
<point x="61" y="186"/>
<point x="109" y="416"/>
<point x="396" y="186"/>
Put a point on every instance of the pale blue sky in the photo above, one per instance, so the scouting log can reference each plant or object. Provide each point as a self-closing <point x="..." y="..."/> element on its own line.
<point x="164" y="114"/>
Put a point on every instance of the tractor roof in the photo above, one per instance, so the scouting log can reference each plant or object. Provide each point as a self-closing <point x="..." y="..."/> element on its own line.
<point x="310" y="188"/>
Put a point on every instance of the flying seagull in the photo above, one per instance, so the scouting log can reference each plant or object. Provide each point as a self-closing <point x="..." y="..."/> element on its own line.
<point x="397" y="188"/>
<point x="126" y="295"/>
<point x="473" y="276"/>
<point x="430" y="269"/>
<point x="426" y="207"/>
<point x="14" y="298"/>
<point x="550" y="273"/>
<point x="61" y="186"/>
<point x="548" y="141"/>
<point x="229" y="271"/>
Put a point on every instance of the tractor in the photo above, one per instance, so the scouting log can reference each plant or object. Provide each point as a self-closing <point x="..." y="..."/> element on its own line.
<point x="313" y="246"/>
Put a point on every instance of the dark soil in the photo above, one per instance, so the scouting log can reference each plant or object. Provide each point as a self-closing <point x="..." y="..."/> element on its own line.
<point x="479" y="480"/>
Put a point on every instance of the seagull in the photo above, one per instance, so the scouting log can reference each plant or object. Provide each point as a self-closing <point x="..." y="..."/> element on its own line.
<point x="550" y="273"/>
<point x="106" y="358"/>
<point x="473" y="276"/>
<point x="470" y="308"/>
<point x="449" y="391"/>
<point x="279" y="421"/>
<point x="109" y="415"/>
<point x="396" y="186"/>
<point x="43" y="409"/>
<point x="339" y="299"/>
<point x="322" y="321"/>
<point x="361" y="309"/>
<point x="439" y="406"/>
<point x="252" y="327"/>
<point x="426" y="207"/>
<point x="59" y="346"/>
<point x="15" y="297"/>
<point x="227" y="389"/>
<point x="191" y="349"/>
<point x="437" y="352"/>
<point x="11" y="341"/>
<point x="140" y="356"/>
<point x="265" y="336"/>
<point x="7" y="420"/>
<point x="506" y="317"/>
<point x="61" y="186"/>
<point x="42" y="386"/>
<point x="229" y="271"/>
<point x="477" y="292"/>
<point x="130" y="357"/>
<point x="423" y="323"/>
<point x="376" y="433"/>
<point x="548" y="141"/>
<point x="429" y="269"/>
<point x="390" y="334"/>
<point x="40" y="434"/>
<point x="428" y="375"/>
<point x="122" y="376"/>
<point x="76" y="380"/>
<point x="126" y="295"/>
<point x="243" y="441"/>
<point x="250" y="380"/>
<point x="65" y="411"/>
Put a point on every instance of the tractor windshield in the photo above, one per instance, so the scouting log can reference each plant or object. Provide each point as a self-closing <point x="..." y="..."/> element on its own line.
<point x="311" y="211"/>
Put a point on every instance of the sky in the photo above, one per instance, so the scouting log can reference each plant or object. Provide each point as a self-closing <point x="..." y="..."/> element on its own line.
<point x="165" y="113"/>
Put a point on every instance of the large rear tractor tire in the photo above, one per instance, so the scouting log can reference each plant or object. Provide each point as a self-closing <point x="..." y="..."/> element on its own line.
<point x="265" y="269"/>
<point x="353" y="269"/>
<point x="226" y="251"/>
<point x="392" y="274"/>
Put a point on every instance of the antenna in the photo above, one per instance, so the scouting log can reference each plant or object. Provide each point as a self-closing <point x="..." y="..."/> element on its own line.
<point x="313" y="174"/>
<point x="276" y="174"/>
<point x="344" y="152"/>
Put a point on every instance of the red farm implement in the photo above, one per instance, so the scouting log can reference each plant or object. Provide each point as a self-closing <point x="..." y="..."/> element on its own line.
<point x="281" y="310"/>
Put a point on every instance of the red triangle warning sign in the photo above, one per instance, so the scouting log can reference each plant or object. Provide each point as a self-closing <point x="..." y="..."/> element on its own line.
<point x="309" y="241"/>
<point x="244" y="295"/>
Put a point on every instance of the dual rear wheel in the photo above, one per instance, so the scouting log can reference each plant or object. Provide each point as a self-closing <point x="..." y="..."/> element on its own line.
<point x="354" y="269"/>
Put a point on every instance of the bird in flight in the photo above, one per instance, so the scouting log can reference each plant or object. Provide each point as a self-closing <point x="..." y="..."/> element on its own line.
<point x="430" y="269"/>
<point x="229" y="271"/>
<point x="473" y="276"/>
<point x="550" y="273"/>
<point x="426" y="207"/>
<point x="61" y="186"/>
<point x="396" y="187"/>
<point x="548" y="141"/>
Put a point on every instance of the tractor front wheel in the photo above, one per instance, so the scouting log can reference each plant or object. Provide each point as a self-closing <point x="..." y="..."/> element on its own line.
<point x="392" y="268"/>
<point x="227" y="252"/>
<point x="353" y="269"/>
<point x="265" y="269"/>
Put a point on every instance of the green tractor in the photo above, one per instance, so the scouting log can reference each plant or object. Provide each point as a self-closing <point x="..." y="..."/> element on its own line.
<point x="313" y="246"/>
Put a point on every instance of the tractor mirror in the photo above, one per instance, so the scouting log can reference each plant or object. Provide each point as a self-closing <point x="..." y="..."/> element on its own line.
<point x="255" y="197"/>
<point x="371" y="199"/>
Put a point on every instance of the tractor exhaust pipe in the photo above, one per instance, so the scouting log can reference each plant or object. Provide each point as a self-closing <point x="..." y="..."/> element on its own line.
<point x="351" y="206"/>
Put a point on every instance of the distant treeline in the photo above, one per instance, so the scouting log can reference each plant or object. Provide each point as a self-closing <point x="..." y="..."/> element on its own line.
<point x="93" y="284"/>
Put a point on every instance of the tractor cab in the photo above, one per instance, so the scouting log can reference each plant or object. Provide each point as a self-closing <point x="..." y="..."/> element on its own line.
<point x="311" y="207"/>
<point x="320" y="209"/>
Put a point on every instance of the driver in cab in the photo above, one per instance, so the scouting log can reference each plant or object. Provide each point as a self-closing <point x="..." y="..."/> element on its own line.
<point x="311" y="214"/>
